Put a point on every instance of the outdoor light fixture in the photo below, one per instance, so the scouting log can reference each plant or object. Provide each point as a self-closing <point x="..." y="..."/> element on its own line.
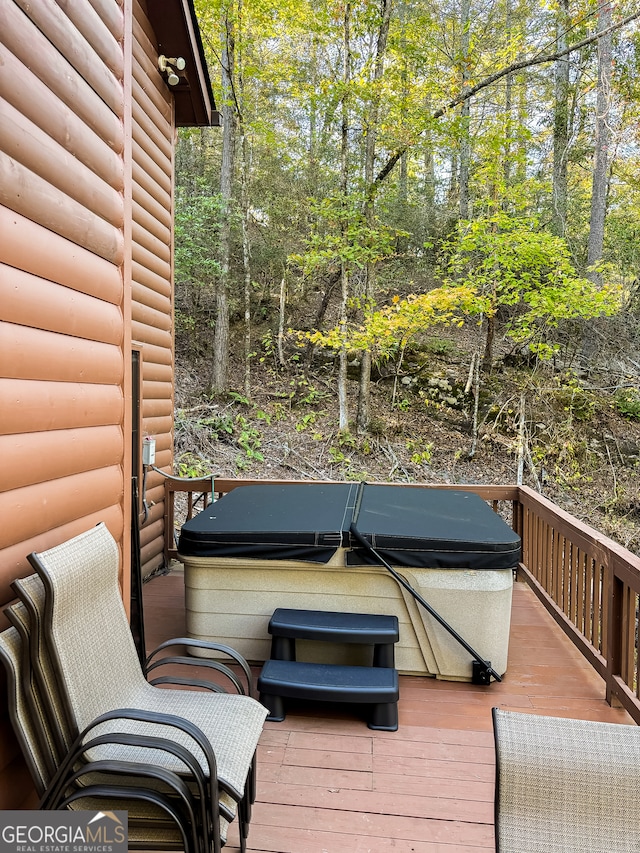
<point x="169" y="65"/>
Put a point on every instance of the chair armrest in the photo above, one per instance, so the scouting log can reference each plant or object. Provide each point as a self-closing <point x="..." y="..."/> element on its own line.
<point x="170" y="720"/>
<point x="188" y="682"/>
<point x="182" y="816"/>
<point x="205" y="645"/>
<point x="69" y="771"/>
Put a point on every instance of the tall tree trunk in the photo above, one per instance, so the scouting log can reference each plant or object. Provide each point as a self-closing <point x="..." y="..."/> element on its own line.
<point x="522" y="116"/>
<point x="465" y="141"/>
<point x="220" y="366"/>
<point x="282" y="307"/>
<point x="560" y="125"/>
<point x="343" y="413"/>
<point x="364" y="388"/>
<point x="487" y="358"/>
<point x="246" y="262"/>
<point x="313" y="120"/>
<point x="429" y="170"/>
<point x="508" y="119"/>
<point x="603" y="136"/>
<point x="245" y="174"/>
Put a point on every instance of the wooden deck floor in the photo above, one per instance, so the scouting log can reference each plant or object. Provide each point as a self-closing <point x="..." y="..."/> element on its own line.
<point x="328" y="784"/>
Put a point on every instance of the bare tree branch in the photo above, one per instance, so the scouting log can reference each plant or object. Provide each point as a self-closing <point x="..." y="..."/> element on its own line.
<point x="493" y="78"/>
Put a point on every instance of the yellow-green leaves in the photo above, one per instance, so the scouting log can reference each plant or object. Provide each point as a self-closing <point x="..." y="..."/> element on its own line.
<point x="386" y="330"/>
<point x="510" y="261"/>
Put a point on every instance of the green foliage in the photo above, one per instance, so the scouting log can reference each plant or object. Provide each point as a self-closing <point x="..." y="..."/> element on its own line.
<point x="337" y="456"/>
<point x="240" y="398"/>
<point x="510" y="262"/>
<point x="197" y="224"/>
<point x="303" y="393"/>
<point x="578" y="403"/>
<point x="306" y="421"/>
<point x="386" y="330"/>
<point x="627" y="403"/>
<point x="191" y="465"/>
<point x="342" y="237"/>
<point x="219" y="425"/>
<point x="421" y="451"/>
<point x="306" y="394"/>
<point x="564" y="457"/>
<point x="438" y="346"/>
<point x="249" y="439"/>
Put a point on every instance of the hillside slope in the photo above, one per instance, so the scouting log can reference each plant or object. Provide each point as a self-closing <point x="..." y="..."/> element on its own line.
<point x="577" y="440"/>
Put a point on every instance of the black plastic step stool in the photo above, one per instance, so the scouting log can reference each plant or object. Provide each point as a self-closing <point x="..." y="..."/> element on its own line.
<point x="287" y="625"/>
<point x="284" y="677"/>
<point x="374" y="686"/>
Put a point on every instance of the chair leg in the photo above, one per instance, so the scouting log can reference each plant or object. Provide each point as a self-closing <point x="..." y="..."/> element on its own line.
<point x="243" y="823"/>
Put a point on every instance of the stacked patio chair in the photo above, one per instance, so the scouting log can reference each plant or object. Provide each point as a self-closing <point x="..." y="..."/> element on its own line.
<point x="92" y="725"/>
<point x="565" y="786"/>
<point x="162" y="813"/>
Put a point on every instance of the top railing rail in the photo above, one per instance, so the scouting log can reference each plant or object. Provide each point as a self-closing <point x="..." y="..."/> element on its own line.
<point x="589" y="583"/>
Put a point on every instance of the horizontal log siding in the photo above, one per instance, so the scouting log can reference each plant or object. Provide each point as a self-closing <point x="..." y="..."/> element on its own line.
<point x="38" y="405"/>
<point x="69" y="451"/>
<point x="36" y="52"/>
<point x="152" y="304"/>
<point x="57" y="308"/>
<point x="22" y="89"/>
<point x="87" y="55"/>
<point x="26" y="143"/>
<point x="38" y="354"/>
<point x="61" y="287"/>
<point x="27" y="193"/>
<point x="29" y="247"/>
<point x="13" y="557"/>
<point x="65" y="202"/>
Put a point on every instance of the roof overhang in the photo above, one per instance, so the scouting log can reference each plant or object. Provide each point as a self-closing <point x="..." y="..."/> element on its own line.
<point x="176" y="27"/>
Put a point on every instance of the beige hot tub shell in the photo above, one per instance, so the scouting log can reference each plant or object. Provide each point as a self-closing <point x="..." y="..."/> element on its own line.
<point x="230" y="600"/>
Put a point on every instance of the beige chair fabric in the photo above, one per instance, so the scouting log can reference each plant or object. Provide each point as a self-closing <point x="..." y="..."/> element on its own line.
<point x="55" y="735"/>
<point x="75" y="626"/>
<point x="566" y="786"/>
<point x="151" y="826"/>
<point x="97" y="663"/>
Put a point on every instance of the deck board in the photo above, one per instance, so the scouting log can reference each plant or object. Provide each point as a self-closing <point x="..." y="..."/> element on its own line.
<point x="328" y="784"/>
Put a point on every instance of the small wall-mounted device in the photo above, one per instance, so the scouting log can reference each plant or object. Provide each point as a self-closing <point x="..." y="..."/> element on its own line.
<point x="170" y="65"/>
<point x="148" y="450"/>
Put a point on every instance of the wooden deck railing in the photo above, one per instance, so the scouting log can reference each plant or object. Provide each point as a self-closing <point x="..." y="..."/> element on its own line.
<point x="589" y="584"/>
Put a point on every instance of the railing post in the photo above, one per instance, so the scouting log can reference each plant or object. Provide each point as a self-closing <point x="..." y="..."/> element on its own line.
<point x="613" y="652"/>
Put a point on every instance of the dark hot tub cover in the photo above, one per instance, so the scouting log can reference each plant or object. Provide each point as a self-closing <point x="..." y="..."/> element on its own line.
<point x="289" y="522"/>
<point x="412" y="527"/>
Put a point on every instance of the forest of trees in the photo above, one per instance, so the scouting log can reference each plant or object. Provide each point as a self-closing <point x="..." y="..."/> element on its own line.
<point x="387" y="169"/>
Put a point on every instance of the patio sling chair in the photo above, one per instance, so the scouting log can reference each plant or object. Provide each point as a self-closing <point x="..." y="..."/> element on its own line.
<point x="102" y="684"/>
<point x="162" y="814"/>
<point x="566" y="786"/>
<point x="28" y="615"/>
<point x="58" y="764"/>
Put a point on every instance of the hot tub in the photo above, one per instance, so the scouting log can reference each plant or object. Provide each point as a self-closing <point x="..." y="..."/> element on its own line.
<point x="266" y="546"/>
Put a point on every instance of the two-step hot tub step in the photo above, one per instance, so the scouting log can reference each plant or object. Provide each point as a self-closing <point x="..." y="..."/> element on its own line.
<point x="362" y="685"/>
<point x="284" y="677"/>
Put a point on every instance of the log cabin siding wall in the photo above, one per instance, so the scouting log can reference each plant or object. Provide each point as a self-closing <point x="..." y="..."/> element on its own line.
<point x="62" y="364"/>
<point x="151" y="268"/>
<point x="63" y="351"/>
<point x="86" y="212"/>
